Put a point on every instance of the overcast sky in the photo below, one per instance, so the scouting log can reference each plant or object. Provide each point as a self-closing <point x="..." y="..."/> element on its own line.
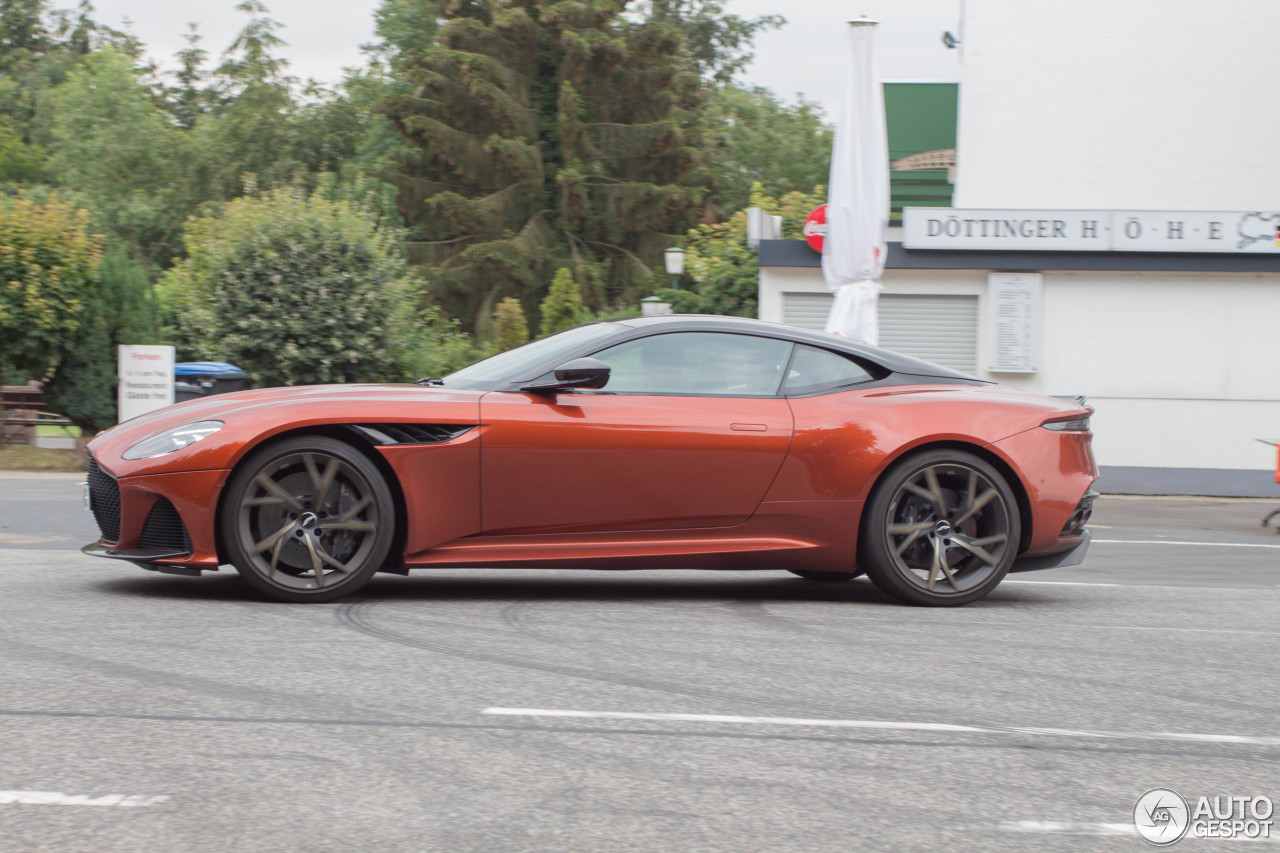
<point x="806" y="56"/>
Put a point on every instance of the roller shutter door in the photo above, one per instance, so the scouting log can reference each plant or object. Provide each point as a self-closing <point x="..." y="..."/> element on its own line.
<point x="941" y="329"/>
<point x="806" y="310"/>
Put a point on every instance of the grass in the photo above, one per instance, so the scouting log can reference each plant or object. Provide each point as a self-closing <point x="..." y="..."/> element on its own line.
<point x="24" y="457"/>
<point x="59" y="431"/>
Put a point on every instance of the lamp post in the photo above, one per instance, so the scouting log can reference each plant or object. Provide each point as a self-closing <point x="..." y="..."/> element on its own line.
<point x="675" y="266"/>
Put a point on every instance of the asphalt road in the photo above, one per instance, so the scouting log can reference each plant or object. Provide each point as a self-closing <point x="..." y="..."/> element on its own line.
<point x="148" y="712"/>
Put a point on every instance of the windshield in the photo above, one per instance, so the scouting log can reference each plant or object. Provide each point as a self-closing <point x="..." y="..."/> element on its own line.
<point x="516" y="364"/>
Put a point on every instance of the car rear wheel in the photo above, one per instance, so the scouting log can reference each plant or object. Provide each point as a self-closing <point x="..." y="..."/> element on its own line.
<point x="941" y="529"/>
<point x="307" y="519"/>
<point x="825" y="577"/>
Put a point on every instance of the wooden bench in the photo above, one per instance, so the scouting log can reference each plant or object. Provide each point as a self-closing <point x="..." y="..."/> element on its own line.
<point x="21" y="405"/>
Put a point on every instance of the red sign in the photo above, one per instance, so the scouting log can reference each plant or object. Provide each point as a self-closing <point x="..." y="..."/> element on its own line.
<point x="815" y="227"/>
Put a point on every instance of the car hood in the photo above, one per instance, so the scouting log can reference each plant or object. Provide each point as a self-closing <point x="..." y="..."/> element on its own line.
<point x="249" y="417"/>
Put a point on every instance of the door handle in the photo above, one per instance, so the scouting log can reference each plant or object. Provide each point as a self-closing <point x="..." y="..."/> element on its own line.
<point x="749" y="427"/>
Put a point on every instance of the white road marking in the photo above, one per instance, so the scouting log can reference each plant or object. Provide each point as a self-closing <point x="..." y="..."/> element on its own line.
<point x="54" y="798"/>
<point x="889" y="725"/>
<point x="1178" y="542"/>
<point x="1072" y="827"/>
<point x="1063" y="583"/>
<point x="1084" y="626"/>
<point x="1066" y="827"/>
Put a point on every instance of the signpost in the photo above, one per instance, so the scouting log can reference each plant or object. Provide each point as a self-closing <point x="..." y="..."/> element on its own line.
<point x="146" y="380"/>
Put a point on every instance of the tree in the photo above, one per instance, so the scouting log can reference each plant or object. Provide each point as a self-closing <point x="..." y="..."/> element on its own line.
<point x="192" y="97"/>
<point x="39" y="47"/>
<point x="510" y="329"/>
<point x="562" y="309"/>
<point x="545" y="133"/>
<point x="47" y="263"/>
<point x="719" y="43"/>
<point x="723" y="269"/>
<point x="120" y="154"/>
<point x="19" y="162"/>
<point x="294" y="289"/>
<point x="23" y="34"/>
<point x="756" y="138"/>
<point x="250" y="130"/>
<point x="120" y="310"/>
<point x="406" y="28"/>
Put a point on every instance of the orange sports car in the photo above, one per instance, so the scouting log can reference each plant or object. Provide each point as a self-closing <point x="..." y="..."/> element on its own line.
<point x="662" y="442"/>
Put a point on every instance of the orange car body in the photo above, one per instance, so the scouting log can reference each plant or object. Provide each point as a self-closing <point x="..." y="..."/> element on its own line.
<point x="605" y="481"/>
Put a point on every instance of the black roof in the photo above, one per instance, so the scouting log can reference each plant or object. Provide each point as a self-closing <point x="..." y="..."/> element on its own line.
<point x="896" y="362"/>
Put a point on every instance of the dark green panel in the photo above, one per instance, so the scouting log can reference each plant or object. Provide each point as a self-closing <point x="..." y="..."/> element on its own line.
<point x="920" y="117"/>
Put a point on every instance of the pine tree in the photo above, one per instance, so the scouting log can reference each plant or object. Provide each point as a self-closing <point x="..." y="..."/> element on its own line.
<point x="562" y="309"/>
<point x="249" y="133"/>
<point x="545" y="133"/>
<point x="189" y="99"/>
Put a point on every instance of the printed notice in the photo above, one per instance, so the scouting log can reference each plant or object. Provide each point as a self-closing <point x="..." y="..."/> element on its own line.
<point x="1014" y="313"/>
<point x="146" y="380"/>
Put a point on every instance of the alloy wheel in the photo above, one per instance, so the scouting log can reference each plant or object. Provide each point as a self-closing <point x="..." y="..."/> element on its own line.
<point x="949" y="528"/>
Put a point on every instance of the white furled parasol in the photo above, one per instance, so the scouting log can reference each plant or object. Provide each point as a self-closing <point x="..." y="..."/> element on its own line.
<point x="853" y="253"/>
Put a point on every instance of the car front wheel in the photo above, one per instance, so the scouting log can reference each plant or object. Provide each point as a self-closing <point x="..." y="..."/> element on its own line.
<point x="307" y="519"/>
<point x="941" y="529"/>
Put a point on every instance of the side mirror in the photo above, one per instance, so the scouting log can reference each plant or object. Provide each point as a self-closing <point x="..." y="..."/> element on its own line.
<point x="579" y="373"/>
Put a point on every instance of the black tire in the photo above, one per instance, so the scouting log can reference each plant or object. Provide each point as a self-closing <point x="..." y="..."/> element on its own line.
<point x="825" y="577"/>
<point x="307" y="519"/>
<point x="941" y="529"/>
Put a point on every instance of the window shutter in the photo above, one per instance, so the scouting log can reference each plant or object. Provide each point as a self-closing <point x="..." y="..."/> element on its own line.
<point x="941" y="329"/>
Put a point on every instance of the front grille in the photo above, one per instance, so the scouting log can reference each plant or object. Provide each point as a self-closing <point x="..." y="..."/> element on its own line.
<point x="104" y="500"/>
<point x="164" y="529"/>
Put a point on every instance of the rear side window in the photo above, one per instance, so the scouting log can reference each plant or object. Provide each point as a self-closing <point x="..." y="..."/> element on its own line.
<point x="710" y="364"/>
<point x="815" y="370"/>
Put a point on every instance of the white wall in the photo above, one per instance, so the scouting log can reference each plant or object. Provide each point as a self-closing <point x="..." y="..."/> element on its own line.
<point x="1119" y="104"/>
<point x="1183" y="369"/>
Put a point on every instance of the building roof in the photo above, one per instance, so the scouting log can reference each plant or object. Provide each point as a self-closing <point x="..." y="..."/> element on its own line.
<point x="797" y="253"/>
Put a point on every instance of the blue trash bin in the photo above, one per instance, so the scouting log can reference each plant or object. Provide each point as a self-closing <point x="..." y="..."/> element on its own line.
<point x="202" y="378"/>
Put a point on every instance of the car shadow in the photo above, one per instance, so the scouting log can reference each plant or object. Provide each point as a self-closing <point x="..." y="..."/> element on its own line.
<point x="535" y="585"/>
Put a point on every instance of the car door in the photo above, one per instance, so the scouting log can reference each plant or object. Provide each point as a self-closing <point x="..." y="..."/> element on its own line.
<point x="689" y="432"/>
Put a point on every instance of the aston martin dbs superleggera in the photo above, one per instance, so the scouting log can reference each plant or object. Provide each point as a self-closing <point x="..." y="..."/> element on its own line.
<point x="663" y="442"/>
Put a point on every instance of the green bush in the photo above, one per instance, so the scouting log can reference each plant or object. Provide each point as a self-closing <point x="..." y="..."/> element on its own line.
<point x="48" y="261"/>
<point x="295" y="290"/>
<point x="562" y="307"/>
<point x="510" y="329"/>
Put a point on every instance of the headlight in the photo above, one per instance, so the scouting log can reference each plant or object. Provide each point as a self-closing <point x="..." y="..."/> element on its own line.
<point x="173" y="440"/>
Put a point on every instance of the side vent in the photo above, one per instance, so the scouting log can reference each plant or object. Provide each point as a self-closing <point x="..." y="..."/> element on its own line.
<point x="164" y="529"/>
<point x="384" y="434"/>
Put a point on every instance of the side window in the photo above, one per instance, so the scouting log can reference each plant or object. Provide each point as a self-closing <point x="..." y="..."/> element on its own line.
<point x="813" y="370"/>
<point x="708" y="363"/>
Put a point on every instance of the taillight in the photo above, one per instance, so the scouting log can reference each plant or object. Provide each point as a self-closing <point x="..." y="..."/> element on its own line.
<point x="1072" y="425"/>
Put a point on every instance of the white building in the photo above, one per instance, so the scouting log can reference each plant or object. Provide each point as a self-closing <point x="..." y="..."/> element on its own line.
<point x="1076" y="122"/>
